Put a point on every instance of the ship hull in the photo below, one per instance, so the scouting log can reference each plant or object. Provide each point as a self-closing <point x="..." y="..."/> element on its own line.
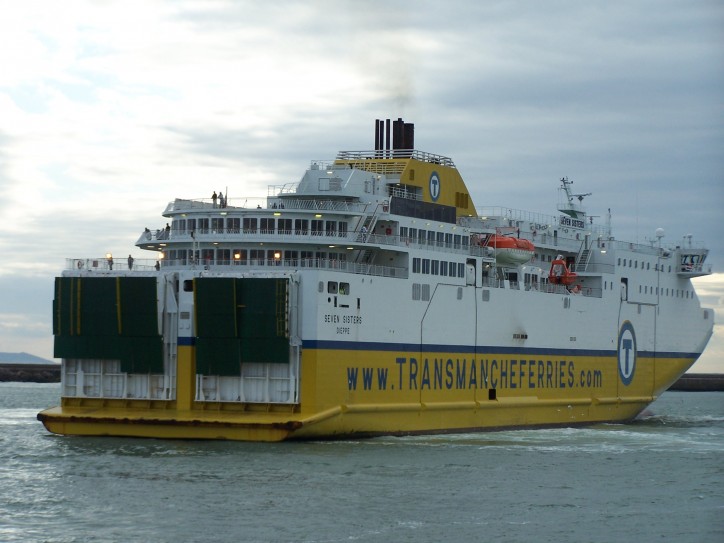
<point x="440" y="398"/>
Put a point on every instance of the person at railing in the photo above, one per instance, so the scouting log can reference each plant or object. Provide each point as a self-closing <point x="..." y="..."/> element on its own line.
<point x="130" y="262"/>
<point x="213" y="198"/>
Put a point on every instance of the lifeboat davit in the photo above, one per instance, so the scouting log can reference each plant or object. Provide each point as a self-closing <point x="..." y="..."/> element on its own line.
<point x="560" y="274"/>
<point x="510" y="250"/>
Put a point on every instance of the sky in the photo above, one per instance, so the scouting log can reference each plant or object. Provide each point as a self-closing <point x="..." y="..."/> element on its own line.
<point x="111" y="109"/>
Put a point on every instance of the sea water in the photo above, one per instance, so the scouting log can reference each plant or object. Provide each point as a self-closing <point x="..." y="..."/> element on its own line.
<point x="657" y="479"/>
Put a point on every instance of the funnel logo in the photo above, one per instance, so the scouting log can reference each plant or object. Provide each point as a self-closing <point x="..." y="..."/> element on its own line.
<point x="434" y="186"/>
<point x="626" y="353"/>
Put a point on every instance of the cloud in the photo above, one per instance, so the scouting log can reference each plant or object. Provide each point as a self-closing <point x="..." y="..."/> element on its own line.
<point x="112" y="109"/>
<point x="710" y="290"/>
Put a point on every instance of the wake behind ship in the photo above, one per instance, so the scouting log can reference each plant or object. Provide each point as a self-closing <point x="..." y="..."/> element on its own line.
<point x="372" y="298"/>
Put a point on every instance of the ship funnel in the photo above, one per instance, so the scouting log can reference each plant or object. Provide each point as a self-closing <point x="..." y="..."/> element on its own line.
<point x="403" y="135"/>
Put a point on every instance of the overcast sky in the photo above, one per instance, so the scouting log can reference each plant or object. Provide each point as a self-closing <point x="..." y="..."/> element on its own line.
<point x="109" y="110"/>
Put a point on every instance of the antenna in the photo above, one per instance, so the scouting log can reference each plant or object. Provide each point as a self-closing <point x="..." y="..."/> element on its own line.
<point x="569" y="206"/>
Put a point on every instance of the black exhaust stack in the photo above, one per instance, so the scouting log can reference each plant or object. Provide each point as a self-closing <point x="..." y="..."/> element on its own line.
<point x="403" y="136"/>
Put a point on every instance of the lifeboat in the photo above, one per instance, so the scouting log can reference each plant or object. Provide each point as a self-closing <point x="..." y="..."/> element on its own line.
<point x="560" y="274"/>
<point x="510" y="250"/>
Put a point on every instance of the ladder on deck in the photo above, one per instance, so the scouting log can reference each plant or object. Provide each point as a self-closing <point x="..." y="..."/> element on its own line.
<point x="369" y="221"/>
<point x="582" y="260"/>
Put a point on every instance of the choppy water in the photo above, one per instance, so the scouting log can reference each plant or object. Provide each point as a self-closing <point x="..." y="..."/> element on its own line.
<point x="659" y="479"/>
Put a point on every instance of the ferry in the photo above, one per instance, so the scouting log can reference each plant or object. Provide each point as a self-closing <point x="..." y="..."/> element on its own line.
<point x="372" y="298"/>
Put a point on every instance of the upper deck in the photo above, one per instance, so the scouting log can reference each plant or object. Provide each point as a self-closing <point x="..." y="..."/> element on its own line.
<point x="381" y="205"/>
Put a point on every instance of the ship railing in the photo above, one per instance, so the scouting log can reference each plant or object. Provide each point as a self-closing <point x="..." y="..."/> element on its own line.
<point x="400" y="192"/>
<point x="362" y="159"/>
<point x="101" y="265"/>
<point x="271" y="201"/>
<point x="291" y="263"/>
<point x="493" y="216"/>
<point x="309" y="204"/>
<point x="542" y="286"/>
<point x="694" y="270"/>
<point x="298" y="235"/>
<point x="105" y="264"/>
<point x="188" y="204"/>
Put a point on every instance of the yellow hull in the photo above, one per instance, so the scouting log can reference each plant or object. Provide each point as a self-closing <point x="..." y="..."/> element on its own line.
<point x="345" y="421"/>
<point x="442" y="393"/>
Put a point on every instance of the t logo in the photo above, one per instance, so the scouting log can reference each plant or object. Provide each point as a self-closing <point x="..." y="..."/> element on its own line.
<point x="626" y="353"/>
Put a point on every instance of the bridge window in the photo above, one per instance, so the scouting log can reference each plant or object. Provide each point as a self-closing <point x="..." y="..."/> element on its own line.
<point x="217" y="225"/>
<point x="285" y="226"/>
<point x="250" y="225"/>
<point x="233" y="225"/>
<point x="301" y="226"/>
<point x="267" y="226"/>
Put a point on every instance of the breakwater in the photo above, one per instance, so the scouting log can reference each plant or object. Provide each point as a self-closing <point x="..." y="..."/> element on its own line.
<point x="700" y="382"/>
<point x="30" y="373"/>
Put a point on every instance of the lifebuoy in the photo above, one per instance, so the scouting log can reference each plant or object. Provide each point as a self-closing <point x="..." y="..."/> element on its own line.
<point x="388" y="231"/>
<point x="80" y="264"/>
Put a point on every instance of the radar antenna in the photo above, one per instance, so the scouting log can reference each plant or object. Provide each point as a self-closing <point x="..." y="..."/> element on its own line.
<point x="569" y="206"/>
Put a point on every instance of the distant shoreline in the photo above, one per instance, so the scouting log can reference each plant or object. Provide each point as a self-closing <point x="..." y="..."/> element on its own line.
<point x="30" y="373"/>
<point x="700" y="382"/>
<point x="50" y="373"/>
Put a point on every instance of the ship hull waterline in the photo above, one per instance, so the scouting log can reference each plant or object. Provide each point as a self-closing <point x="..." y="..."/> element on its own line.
<point x="375" y="417"/>
<point x="346" y="421"/>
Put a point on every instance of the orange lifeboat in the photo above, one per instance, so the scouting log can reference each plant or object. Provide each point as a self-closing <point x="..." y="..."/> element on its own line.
<point x="560" y="274"/>
<point x="510" y="250"/>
